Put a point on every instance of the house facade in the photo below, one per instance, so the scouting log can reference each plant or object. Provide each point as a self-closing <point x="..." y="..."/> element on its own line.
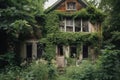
<point x="79" y="25"/>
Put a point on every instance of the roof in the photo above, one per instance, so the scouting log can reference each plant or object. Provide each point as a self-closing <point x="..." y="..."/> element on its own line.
<point x="58" y="2"/>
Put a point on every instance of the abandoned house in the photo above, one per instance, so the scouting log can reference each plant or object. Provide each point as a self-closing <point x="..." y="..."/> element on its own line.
<point x="79" y="25"/>
<point x="67" y="24"/>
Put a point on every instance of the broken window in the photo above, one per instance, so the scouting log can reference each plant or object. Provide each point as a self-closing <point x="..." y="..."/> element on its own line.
<point x="71" y="6"/>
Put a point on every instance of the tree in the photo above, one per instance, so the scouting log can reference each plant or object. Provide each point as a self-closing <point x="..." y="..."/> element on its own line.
<point x="18" y="17"/>
<point x="18" y="22"/>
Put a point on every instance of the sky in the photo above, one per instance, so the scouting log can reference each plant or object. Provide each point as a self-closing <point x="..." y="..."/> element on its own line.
<point x="49" y="3"/>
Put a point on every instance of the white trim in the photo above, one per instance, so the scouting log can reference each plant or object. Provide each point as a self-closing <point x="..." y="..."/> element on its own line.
<point x="81" y="25"/>
<point x="65" y="25"/>
<point x="73" y="25"/>
<point x="71" y="9"/>
<point x="89" y="28"/>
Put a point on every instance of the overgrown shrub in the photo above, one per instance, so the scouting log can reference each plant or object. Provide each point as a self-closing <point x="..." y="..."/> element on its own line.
<point x="85" y="71"/>
<point x="11" y="73"/>
<point x="38" y="70"/>
<point x="109" y="65"/>
<point x="7" y="59"/>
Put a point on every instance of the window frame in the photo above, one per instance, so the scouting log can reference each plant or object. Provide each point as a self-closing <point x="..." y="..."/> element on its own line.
<point x="72" y="4"/>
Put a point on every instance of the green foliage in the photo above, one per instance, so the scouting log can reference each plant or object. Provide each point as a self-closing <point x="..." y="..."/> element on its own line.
<point x="111" y="24"/>
<point x="83" y="72"/>
<point x="17" y="19"/>
<point x="11" y="73"/>
<point x="20" y="29"/>
<point x="49" y="49"/>
<point x="52" y="23"/>
<point x="38" y="70"/>
<point x="73" y="38"/>
<point x="71" y="61"/>
<point x="90" y="13"/>
<point x="109" y="65"/>
<point x="8" y="58"/>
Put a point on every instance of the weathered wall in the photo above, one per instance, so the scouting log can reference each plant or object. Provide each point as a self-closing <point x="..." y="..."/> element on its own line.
<point x="63" y="5"/>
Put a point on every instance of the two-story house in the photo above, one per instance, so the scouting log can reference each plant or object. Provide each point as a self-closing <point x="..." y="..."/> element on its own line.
<point x="79" y="25"/>
<point x="71" y="24"/>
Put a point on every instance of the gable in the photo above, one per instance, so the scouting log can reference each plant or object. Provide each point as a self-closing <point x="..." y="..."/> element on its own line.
<point x="61" y="5"/>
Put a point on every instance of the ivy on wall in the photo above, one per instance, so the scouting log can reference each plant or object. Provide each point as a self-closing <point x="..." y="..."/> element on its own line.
<point x="54" y="37"/>
<point x="67" y="38"/>
<point x="90" y="13"/>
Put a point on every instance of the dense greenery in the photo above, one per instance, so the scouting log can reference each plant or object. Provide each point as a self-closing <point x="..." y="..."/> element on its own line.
<point x="73" y="38"/>
<point x="107" y="67"/>
<point x="53" y="36"/>
<point x="20" y="20"/>
<point x="38" y="70"/>
<point x="90" y="13"/>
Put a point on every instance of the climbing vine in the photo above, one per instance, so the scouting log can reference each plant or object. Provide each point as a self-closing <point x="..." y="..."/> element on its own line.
<point x="90" y="13"/>
<point x="54" y="37"/>
<point x="73" y="38"/>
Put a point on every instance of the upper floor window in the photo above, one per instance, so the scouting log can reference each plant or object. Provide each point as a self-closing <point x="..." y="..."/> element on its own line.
<point x="69" y="24"/>
<point x="71" y="6"/>
<point x="74" y="25"/>
<point x="85" y="26"/>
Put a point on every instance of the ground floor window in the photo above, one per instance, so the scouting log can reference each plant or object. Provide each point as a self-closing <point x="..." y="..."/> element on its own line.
<point x="29" y="50"/>
<point x="33" y="50"/>
<point x="60" y="50"/>
<point x="73" y="51"/>
<point x="39" y="50"/>
<point x="85" y="51"/>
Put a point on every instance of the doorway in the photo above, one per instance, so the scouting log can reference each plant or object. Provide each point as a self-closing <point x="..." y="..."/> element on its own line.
<point x="60" y="50"/>
<point x="73" y="51"/>
<point x="29" y="50"/>
<point x="85" y="51"/>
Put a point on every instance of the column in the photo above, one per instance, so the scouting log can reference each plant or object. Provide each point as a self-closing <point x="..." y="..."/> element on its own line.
<point x="81" y="25"/>
<point x="34" y="50"/>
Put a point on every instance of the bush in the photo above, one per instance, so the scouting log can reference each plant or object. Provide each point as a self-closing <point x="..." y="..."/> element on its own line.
<point x="109" y="65"/>
<point x="11" y="73"/>
<point x="38" y="70"/>
<point x="83" y="72"/>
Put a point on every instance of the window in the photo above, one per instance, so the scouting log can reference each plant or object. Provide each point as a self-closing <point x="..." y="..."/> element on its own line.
<point x="81" y="25"/>
<point x="34" y="50"/>
<point x="60" y="50"/>
<point x="85" y="26"/>
<point x="39" y="50"/>
<point x="73" y="51"/>
<point x="77" y="25"/>
<point x="85" y="51"/>
<point x="69" y="25"/>
<point x="71" y="6"/>
<point x="29" y="50"/>
<point x="62" y="24"/>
